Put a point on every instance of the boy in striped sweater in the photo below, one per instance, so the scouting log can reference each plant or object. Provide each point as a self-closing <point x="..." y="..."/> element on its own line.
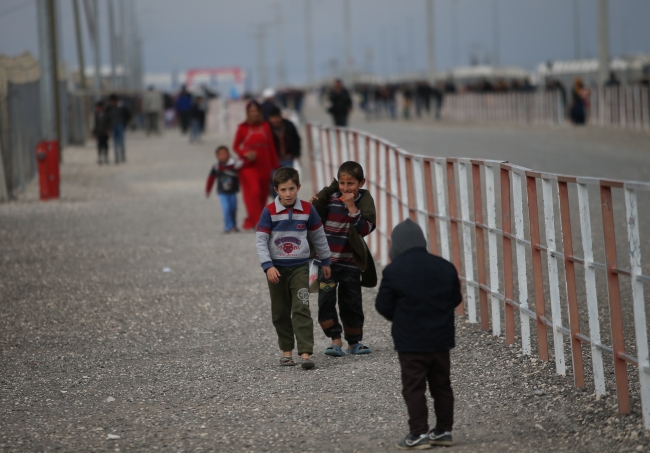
<point x="349" y="215"/>
<point x="283" y="250"/>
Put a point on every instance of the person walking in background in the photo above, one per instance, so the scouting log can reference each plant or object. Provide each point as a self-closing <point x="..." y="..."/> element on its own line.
<point x="101" y="132"/>
<point x="340" y="104"/>
<point x="197" y="115"/>
<point x="419" y="293"/>
<point x="254" y="144"/>
<point x="268" y="102"/>
<point x="152" y="104"/>
<point x="578" y="110"/>
<point x="118" y="116"/>
<point x="225" y="173"/>
<point x="285" y="137"/>
<point x="183" y="106"/>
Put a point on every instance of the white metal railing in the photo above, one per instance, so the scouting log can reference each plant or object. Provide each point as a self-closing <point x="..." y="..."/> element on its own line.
<point x="429" y="190"/>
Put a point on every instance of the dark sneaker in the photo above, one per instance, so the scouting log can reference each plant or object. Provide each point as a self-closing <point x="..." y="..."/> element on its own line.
<point x="440" y="438"/>
<point x="412" y="442"/>
<point x="307" y="364"/>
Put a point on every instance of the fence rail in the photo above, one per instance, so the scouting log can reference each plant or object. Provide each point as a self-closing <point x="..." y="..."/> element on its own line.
<point x="520" y="108"/>
<point x="625" y="107"/>
<point x="457" y="203"/>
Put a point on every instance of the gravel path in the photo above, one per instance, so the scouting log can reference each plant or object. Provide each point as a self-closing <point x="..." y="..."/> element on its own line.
<point x="98" y="341"/>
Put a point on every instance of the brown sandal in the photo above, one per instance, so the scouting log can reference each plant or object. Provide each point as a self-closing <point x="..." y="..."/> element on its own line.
<point x="287" y="361"/>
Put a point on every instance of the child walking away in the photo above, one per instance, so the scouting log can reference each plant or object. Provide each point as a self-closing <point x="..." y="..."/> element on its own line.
<point x="225" y="173"/>
<point x="283" y="250"/>
<point x="419" y="293"/>
<point x="101" y="132"/>
<point x="349" y="213"/>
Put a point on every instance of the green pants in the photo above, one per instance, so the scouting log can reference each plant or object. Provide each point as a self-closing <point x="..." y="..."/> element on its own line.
<point x="290" y="309"/>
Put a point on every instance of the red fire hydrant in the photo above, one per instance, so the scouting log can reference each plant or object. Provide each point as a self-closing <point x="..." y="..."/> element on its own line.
<point x="47" y="156"/>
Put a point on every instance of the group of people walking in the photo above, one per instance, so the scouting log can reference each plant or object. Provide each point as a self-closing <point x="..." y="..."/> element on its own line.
<point x="323" y="239"/>
<point x="110" y="121"/>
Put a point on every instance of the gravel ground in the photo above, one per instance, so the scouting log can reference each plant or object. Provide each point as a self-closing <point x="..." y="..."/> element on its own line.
<point x="98" y="341"/>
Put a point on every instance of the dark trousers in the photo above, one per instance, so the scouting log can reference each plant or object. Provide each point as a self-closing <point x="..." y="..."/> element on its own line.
<point x="418" y="368"/>
<point x="348" y="283"/>
<point x="340" y="120"/>
<point x="102" y="148"/>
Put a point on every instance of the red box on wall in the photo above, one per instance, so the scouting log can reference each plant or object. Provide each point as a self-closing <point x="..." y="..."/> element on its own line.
<point x="47" y="156"/>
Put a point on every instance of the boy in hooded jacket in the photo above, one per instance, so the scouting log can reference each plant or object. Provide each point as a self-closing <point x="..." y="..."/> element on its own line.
<point x="419" y="293"/>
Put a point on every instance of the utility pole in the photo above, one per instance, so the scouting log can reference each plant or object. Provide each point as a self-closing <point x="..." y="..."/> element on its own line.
<point x="309" y="43"/>
<point x="54" y="51"/>
<point x="112" y="43"/>
<point x="280" y="46"/>
<point x="603" y="43"/>
<point x="347" y="67"/>
<point x="124" y="38"/>
<point x="98" y="63"/>
<point x="576" y="30"/>
<point x="431" y="50"/>
<point x="46" y="86"/>
<point x="80" y="46"/>
<point x="454" y="33"/>
<point x="495" y="33"/>
<point x="260" y="37"/>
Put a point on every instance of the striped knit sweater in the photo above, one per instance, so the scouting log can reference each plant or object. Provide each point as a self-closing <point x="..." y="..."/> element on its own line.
<point x="282" y="235"/>
<point x="338" y="222"/>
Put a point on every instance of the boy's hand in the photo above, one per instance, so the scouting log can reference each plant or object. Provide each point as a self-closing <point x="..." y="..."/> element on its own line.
<point x="327" y="272"/>
<point x="314" y="198"/>
<point x="273" y="275"/>
<point x="348" y="199"/>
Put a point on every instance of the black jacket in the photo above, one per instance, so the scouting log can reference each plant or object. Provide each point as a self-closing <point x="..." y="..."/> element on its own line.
<point x="419" y="292"/>
<point x="341" y="103"/>
<point x="292" y="137"/>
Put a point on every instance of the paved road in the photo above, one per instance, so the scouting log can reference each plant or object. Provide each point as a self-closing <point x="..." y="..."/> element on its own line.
<point x="589" y="151"/>
<point x="189" y="356"/>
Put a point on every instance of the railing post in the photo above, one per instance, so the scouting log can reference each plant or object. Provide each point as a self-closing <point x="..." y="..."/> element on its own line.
<point x="490" y="199"/>
<point x="467" y="241"/>
<point x="444" y="224"/>
<point x="480" y="247"/>
<point x="384" y="204"/>
<point x="571" y="291"/>
<point x="453" y="217"/>
<point x="590" y="287"/>
<point x="553" y="277"/>
<point x="522" y="277"/>
<point x="538" y="276"/>
<point x="506" y="222"/>
<point x="640" y="326"/>
<point x="613" y="290"/>
<point x="431" y="208"/>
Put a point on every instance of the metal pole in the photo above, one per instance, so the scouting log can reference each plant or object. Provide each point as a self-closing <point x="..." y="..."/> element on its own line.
<point x="112" y="46"/>
<point x="309" y="43"/>
<point x="454" y="32"/>
<point x="576" y="29"/>
<point x="495" y="33"/>
<point x="347" y="67"/>
<point x="280" y="45"/>
<point x="54" y="51"/>
<point x="80" y="47"/>
<point x="98" y="79"/>
<point x="48" y="121"/>
<point x="260" y="36"/>
<point x="431" y="51"/>
<point x="603" y="43"/>
<point x="126" y="66"/>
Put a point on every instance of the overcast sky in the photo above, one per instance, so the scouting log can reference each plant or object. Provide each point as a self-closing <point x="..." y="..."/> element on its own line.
<point x="388" y="36"/>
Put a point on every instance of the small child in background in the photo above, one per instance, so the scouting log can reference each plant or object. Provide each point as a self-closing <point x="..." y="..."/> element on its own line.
<point x="101" y="129"/>
<point x="419" y="293"/>
<point x="225" y="172"/>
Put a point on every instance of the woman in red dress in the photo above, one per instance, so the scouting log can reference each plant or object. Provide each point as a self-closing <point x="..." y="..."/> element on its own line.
<point x="254" y="144"/>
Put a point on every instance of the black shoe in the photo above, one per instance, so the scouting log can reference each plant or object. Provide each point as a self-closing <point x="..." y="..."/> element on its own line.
<point x="307" y="364"/>
<point x="412" y="442"/>
<point x="440" y="438"/>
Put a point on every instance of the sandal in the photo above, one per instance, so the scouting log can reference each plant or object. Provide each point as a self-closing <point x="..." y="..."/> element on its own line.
<point x="334" y="351"/>
<point x="359" y="349"/>
<point x="307" y="364"/>
<point x="287" y="361"/>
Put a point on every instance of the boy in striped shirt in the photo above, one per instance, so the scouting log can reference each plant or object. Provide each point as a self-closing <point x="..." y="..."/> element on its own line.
<point x="349" y="215"/>
<point x="283" y="250"/>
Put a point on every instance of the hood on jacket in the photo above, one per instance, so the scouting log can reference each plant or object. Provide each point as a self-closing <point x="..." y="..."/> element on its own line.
<point x="406" y="235"/>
